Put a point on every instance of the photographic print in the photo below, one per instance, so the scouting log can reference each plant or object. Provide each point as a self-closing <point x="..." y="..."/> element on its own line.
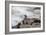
<point x="25" y="17"/>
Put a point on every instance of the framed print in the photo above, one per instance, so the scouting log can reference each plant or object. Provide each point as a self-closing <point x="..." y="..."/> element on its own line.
<point x="24" y="17"/>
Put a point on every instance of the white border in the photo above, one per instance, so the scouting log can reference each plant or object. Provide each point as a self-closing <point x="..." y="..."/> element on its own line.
<point x="25" y="29"/>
